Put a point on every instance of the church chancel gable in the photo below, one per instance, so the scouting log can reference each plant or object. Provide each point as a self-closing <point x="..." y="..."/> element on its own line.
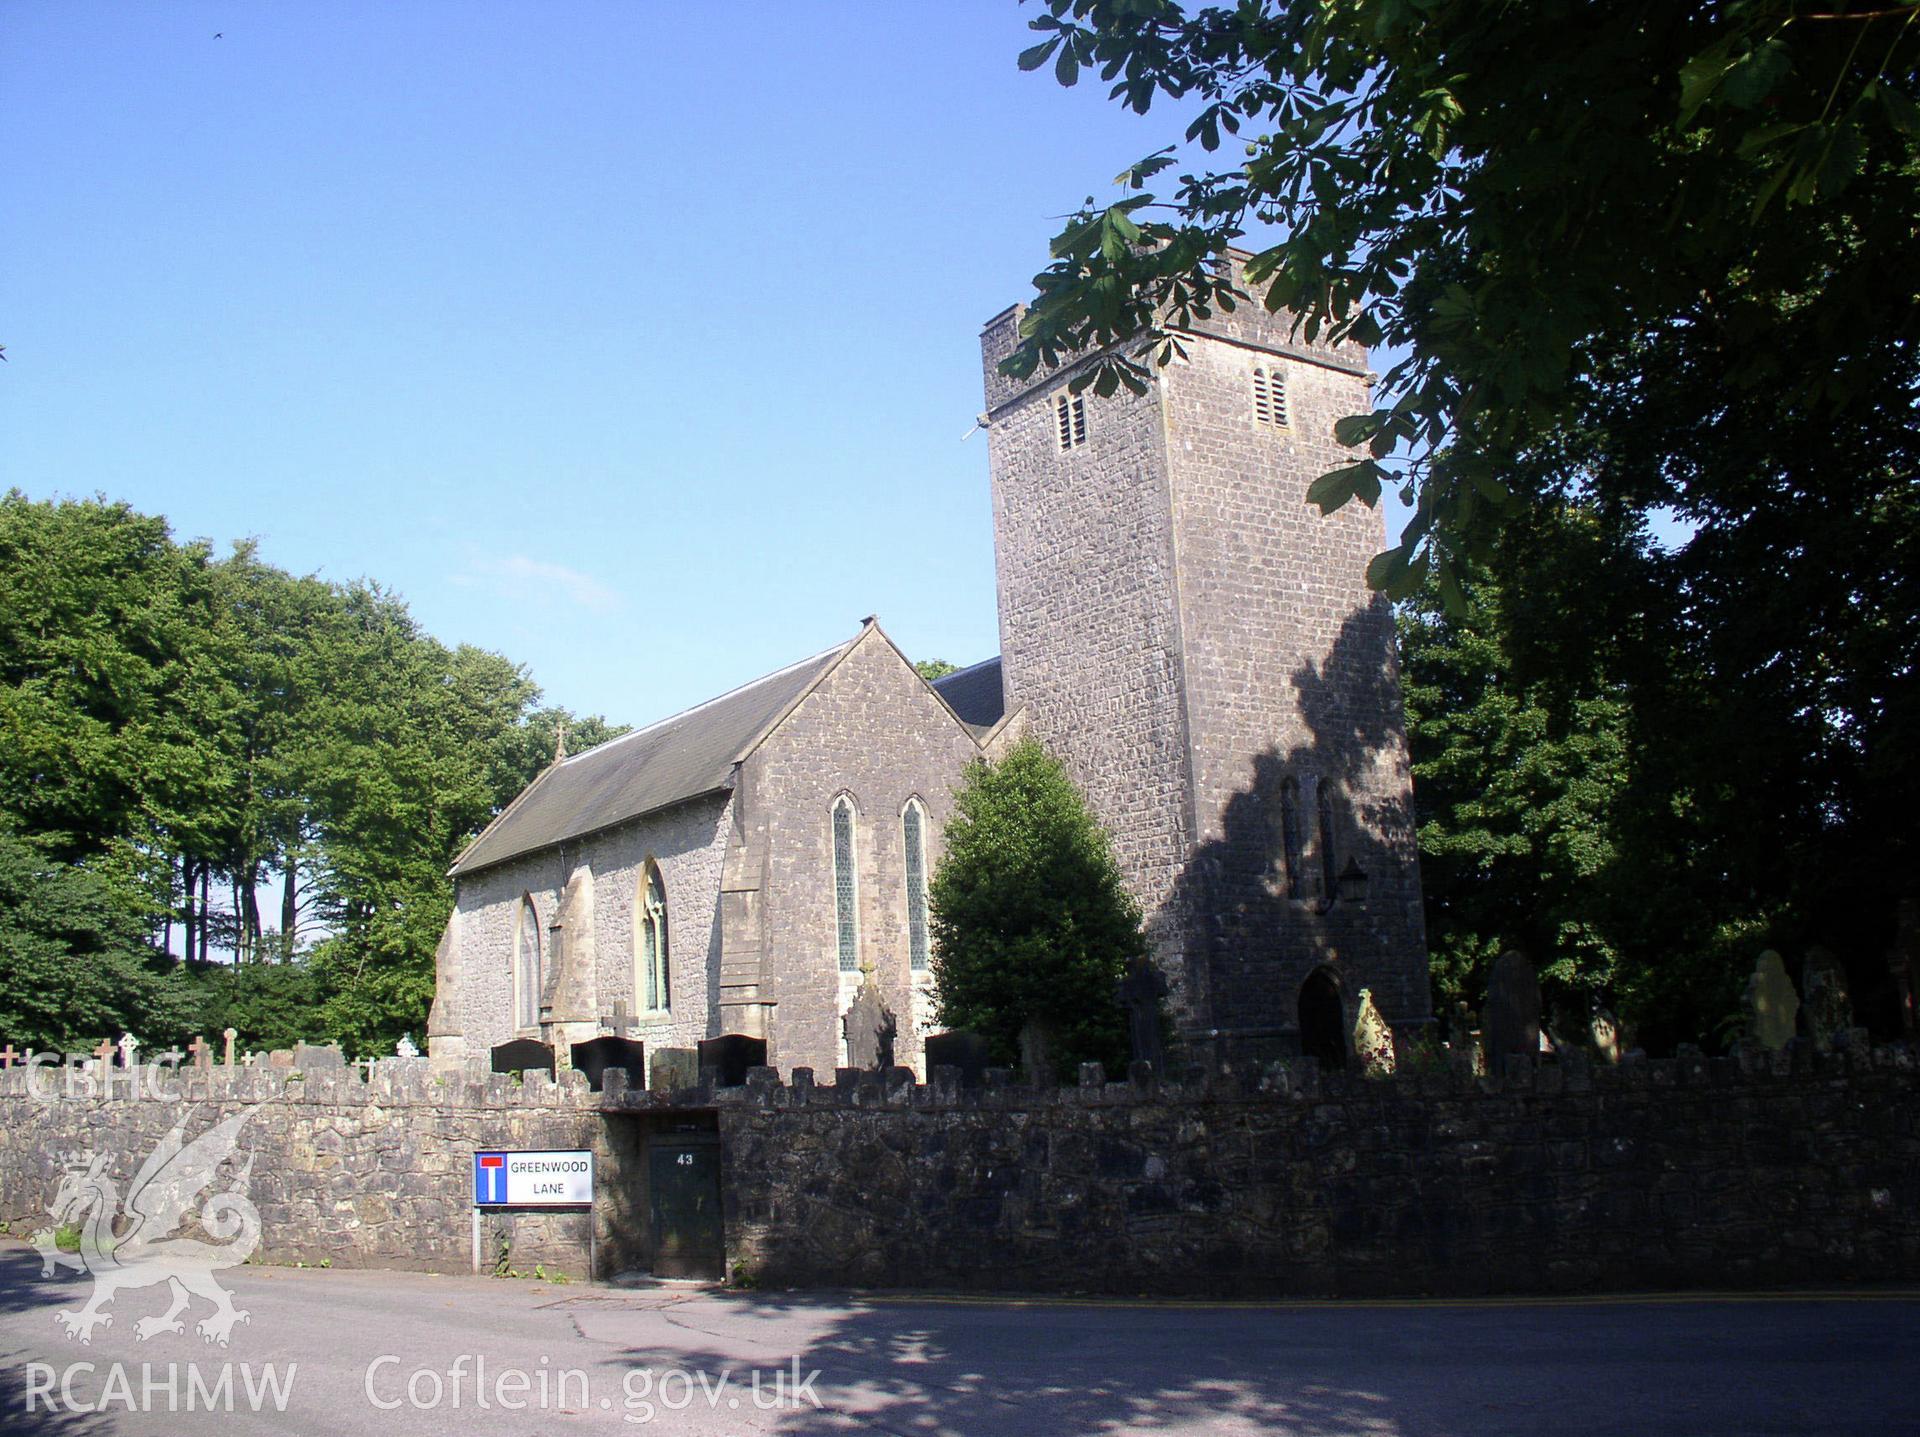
<point x="1194" y="640"/>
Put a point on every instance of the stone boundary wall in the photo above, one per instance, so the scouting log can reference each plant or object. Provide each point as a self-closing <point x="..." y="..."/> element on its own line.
<point x="1768" y="1170"/>
<point x="353" y="1172"/>
<point x="1272" y="1182"/>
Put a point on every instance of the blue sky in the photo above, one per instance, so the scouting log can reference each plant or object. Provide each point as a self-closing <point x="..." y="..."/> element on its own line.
<point x="635" y="340"/>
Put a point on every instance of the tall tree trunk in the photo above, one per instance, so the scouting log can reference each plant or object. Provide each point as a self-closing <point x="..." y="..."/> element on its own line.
<point x="289" y="906"/>
<point x="206" y="891"/>
<point x="187" y="920"/>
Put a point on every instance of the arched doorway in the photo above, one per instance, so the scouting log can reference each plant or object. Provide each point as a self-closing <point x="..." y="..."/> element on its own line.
<point x="1323" y="1021"/>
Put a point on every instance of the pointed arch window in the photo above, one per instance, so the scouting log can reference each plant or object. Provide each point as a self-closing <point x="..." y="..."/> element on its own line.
<point x="653" y="971"/>
<point x="528" y="974"/>
<point x="913" y="834"/>
<point x="1270" y="396"/>
<point x="846" y="886"/>
<point x="1290" y="846"/>
<point x="1329" y="862"/>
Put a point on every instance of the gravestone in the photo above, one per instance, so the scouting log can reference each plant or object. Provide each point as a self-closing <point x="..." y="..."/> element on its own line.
<point x="1829" y="1008"/>
<point x="870" y="1028"/>
<point x="318" y="1057"/>
<point x="1773" y="1008"/>
<point x="1140" y="993"/>
<point x="1605" y="1032"/>
<point x="406" y="1047"/>
<point x="523" y="1055"/>
<point x="280" y="1058"/>
<point x="1510" y="1018"/>
<point x="595" y="1056"/>
<point x="1372" y="1038"/>
<point x="730" y="1055"/>
<point x="965" y="1051"/>
<point x="669" y="1069"/>
<point x="1036" y="1053"/>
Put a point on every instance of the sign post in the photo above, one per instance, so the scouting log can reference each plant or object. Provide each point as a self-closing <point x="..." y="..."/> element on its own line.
<point x="547" y="1179"/>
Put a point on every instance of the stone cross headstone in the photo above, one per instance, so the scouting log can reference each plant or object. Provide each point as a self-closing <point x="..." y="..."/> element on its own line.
<point x="1773" y="1008"/>
<point x="870" y="1028"/>
<point x="105" y="1052"/>
<point x="129" y="1050"/>
<point x="1036" y="1052"/>
<point x="1140" y="993"/>
<point x="619" y="1021"/>
<point x="7" y="1055"/>
<point x="405" y="1047"/>
<point x="202" y="1052"/>
<point x="1605" y="1030"/>
<point x="1372" y="1038"/>
<point x="230" y="1034"/>
<point x="1829" y="1009"/>
<point x="1510" y="1018"/>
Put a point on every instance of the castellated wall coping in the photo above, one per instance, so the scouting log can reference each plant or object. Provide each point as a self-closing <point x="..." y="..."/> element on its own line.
<point x="420" y="1082"/>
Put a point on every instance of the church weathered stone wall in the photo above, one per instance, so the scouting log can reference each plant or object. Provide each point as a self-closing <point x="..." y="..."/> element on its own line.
<point x="873" y="730"/>
<point x="688" y="841"/>
<point x="1089" y="641"/>
<point x="1194" y="640"/>
<point x="1685" y="1173"/>
<point x="1289" y="673"/>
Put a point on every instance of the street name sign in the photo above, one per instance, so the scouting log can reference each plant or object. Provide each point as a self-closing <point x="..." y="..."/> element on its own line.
<point x="543" y="1179"/>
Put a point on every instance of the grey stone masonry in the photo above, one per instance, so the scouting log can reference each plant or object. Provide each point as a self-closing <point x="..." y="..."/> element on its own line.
<point x="1199" y="644"/>
<point x="870" y="729"/>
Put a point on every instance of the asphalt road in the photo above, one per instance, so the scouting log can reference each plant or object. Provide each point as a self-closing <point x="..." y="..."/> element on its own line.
<point x="365" y="1352"/>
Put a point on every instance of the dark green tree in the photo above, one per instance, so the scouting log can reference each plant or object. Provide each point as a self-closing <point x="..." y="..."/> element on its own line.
<point x="1031" y="922"/>
<point x="1512" y="197"/>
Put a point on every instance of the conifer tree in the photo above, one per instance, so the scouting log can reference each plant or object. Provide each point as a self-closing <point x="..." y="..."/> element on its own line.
<point x="1031" y="922"/>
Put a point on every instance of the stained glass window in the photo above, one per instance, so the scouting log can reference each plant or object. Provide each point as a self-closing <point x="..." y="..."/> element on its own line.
<point x="913" y="821"/>
<point x="845" y="885"/>
<point x="526" y="962"/>
<point x="656" y="991"/>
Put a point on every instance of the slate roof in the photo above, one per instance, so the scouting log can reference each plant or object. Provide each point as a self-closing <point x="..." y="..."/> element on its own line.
<point x="678" y="758"/>
<point x="974" y="694"/>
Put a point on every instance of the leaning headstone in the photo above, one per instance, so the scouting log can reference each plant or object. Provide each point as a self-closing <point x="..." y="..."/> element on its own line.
<point x="1773" y="1008"/>
<point x="597" y="1056"/>
<point x="1604" y="1030"/>
<point x="1510" y="1018"/>
<point x="1140" y="993"/>
<point x="1036" y="1053"/>
<point x="670" y="1069"/>
<point x="1829" y="1009"/>
<point x="318" y="1057"/>
<point x="1372" y="1038"/>
<point x="522" y="1055"/>
<point x="965" y="1051"/>
<point x="730" y="1055"/>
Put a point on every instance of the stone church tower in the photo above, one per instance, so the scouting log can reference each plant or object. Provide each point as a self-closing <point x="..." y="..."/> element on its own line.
<point x="1200" y="646"/>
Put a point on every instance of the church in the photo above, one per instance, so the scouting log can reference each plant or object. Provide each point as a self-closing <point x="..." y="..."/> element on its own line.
<point x="1177" y="624"/>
